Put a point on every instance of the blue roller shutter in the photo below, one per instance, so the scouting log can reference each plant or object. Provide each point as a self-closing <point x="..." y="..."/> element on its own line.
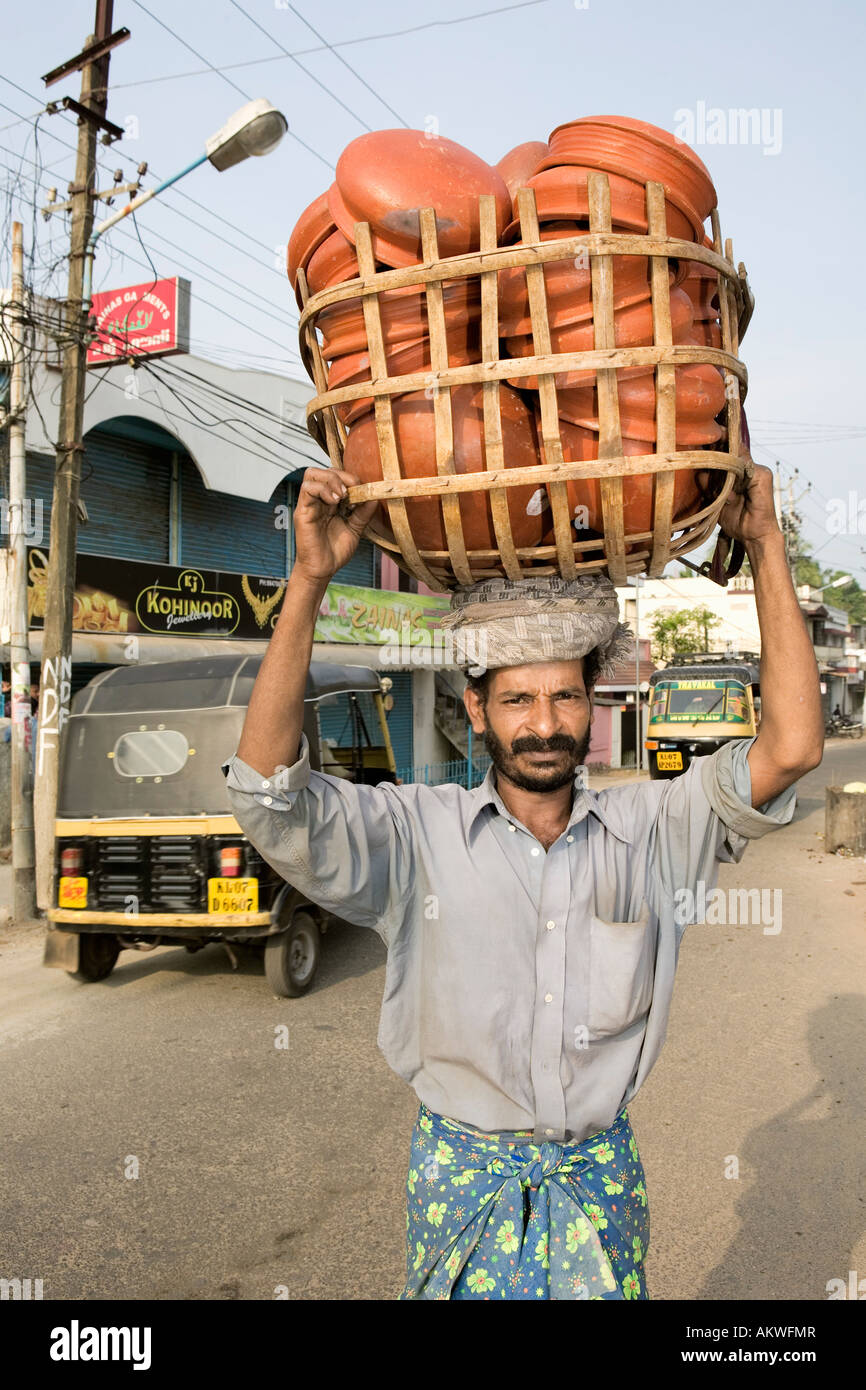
<point x="336" y="724"/>
<point x="40" y="488"/>
<point x="361" y="569"/>
<point x="223" y="532"/>
<point x="126" y="487"/>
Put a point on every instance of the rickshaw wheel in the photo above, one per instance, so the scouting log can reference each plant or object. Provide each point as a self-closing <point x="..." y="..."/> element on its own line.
<point x="292" y="958"/>
<point x="97" y="956"/>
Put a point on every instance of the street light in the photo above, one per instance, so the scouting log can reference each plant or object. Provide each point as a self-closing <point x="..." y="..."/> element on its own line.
<point x="846" y="579"/>
<point x="255" y="129"/>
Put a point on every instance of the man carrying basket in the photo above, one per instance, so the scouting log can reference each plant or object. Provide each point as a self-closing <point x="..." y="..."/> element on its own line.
<point x="531" y="925"/>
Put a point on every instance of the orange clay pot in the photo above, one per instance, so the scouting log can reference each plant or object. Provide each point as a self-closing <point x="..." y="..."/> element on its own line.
<point x="332" y="263"/>
<point x="569" y="287"/>
<point x="521" y="163"/>
<point x="637" y="150"/>
<point x="312" y="227"/>
<point x="633" y="327"/>
<point x="401" y="359"/>
<point x="582" y="445"/>
<point x="386" y="177"/>
<point x="700" y="396"/>
<point x="416" y="444"/>
<point x="561" y="191"/>
<point x="403" y="313"/>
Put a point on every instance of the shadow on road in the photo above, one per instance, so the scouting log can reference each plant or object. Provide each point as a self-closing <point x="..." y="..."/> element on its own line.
<point x="347" y="952"/>
<point x="804" y="1212"/>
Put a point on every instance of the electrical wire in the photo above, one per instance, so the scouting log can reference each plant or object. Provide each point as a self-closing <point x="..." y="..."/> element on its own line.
<point x="222" y="75"/>
<point x="339" y="43"/>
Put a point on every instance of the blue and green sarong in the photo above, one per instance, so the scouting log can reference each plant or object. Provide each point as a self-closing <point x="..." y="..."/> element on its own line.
<point x="493" y="1216"/>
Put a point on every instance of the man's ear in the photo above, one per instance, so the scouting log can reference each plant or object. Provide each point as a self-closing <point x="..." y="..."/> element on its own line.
<point x="474" y="706"/>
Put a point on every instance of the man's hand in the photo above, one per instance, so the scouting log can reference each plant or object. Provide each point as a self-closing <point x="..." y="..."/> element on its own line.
<point x="750" y="514"/>
<point x="326" y="537"/>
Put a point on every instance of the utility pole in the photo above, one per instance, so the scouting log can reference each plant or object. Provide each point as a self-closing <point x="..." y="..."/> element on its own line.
<point x="23" y="887"/>
<point x="55" y="685"/>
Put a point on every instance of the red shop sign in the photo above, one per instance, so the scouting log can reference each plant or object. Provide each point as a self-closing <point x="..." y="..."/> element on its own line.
<point x="149" y="320"/>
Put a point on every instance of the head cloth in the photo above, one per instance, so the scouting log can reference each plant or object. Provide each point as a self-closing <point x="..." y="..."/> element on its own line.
<point x="507" y="622"/>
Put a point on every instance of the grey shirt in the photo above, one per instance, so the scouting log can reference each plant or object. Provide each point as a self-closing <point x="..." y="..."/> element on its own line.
<point x="524" y="989"/>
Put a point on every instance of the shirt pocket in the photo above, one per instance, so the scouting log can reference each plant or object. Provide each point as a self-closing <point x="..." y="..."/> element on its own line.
<point x="621" y="970"/>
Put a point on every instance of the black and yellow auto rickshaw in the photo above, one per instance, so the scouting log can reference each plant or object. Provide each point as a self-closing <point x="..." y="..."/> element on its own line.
<point x="696" y="705"/>
<point x="147" y="850"/>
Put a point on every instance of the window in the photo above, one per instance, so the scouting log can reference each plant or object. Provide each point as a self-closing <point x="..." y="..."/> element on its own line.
<point x="150" y="753"/>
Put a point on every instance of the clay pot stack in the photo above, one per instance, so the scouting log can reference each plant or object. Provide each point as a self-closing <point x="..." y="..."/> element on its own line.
<point x="384" y="179"/>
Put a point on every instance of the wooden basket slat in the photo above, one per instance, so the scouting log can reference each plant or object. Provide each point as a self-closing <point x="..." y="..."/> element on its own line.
<point x="568" y="554"/>
<point x="385" y="433"/>
<point x="494" y="456"/>
<point x="521" y="255"/>
<point x="666" y="386"/>
<point x="550" y="437"/>
<point x="443" y="423"/>
<point x="609" y="432"/>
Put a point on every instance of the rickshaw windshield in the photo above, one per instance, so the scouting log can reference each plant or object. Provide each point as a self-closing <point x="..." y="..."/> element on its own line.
<point x="692" y="702"/>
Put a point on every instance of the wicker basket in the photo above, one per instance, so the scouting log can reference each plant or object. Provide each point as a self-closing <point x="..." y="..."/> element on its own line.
<point x="616" y="551"/>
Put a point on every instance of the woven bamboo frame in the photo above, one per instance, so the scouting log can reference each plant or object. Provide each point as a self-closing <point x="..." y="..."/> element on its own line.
<point x="567" y="556"/>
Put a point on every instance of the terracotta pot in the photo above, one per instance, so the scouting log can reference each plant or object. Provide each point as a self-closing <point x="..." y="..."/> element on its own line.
<point x="400" y="360"/>
<point x="386" y="177"/>
<point x="521" y="163"/>
<point x="633" y="327"/>
<point x="403" y="314"/>
<point x="637" y="150"/>
<point x="416" y="443"/>
<point x="562" y="191"/>
<point x="707" y="333"/>
<point x="312" y="227"/>
<point x="582" y="445"/>
<point x="332" y="263"/>
<point x="569" y="288"/>
<point x="700" y="396"/>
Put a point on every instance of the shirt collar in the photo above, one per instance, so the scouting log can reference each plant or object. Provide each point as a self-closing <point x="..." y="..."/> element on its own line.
<point x="585" y="802"/>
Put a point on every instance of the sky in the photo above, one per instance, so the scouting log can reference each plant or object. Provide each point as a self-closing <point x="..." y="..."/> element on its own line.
<point x="791" y="197"/>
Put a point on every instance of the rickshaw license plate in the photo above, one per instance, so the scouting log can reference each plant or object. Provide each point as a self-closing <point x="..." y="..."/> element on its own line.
<point x="232" y="895"/>
<point x="72" y="892"/>
<point x="670" y="762"/>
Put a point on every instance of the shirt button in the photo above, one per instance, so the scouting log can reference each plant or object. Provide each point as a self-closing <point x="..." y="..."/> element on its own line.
<point x="550" y="925"/>
<point x="267" y="800"/>
<point x="266" y="784"/>
<point x="511" y="827"/>
<point x="569" y="839"/>
<point x="549" y="1133"/>
<point x="535" y="851"/>
<point x="548" y="998"/>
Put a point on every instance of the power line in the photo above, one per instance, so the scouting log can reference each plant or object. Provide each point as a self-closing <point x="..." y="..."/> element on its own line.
<point x="217" y="72"/>
<point x="339" y="43"/>
<point x="312" y="76"/>
<point x="330" y="49"/>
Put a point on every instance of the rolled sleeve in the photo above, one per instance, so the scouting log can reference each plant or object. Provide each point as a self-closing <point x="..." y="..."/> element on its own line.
<point x="345" y="846"/>
<point x="705" y="817"/>
<point x="279" y="792"/>
<point x="727" y="783"/>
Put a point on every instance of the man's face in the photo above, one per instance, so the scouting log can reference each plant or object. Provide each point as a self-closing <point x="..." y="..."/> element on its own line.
<point x="535" y="722"/>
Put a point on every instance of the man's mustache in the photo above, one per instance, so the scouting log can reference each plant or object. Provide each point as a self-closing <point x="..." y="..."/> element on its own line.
<point x="557" y="743"/>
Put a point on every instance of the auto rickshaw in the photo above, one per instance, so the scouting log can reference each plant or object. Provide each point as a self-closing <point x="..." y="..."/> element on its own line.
<point x="696" y="705"/>
<point x="147" y="850"/>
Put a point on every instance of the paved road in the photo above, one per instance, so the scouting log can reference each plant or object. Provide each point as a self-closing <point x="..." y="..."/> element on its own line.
<point x="261" y="1167"/>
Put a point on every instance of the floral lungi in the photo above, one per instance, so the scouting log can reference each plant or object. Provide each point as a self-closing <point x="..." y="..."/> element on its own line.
<point x="493" y="1216"/>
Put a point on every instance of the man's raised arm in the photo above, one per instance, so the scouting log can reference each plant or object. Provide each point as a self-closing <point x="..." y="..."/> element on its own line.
<point x="790" y="740"/>
<point x="324" y="542"/>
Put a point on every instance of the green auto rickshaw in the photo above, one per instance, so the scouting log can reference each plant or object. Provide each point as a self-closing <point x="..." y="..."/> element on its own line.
<point x="697" y="704"/>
